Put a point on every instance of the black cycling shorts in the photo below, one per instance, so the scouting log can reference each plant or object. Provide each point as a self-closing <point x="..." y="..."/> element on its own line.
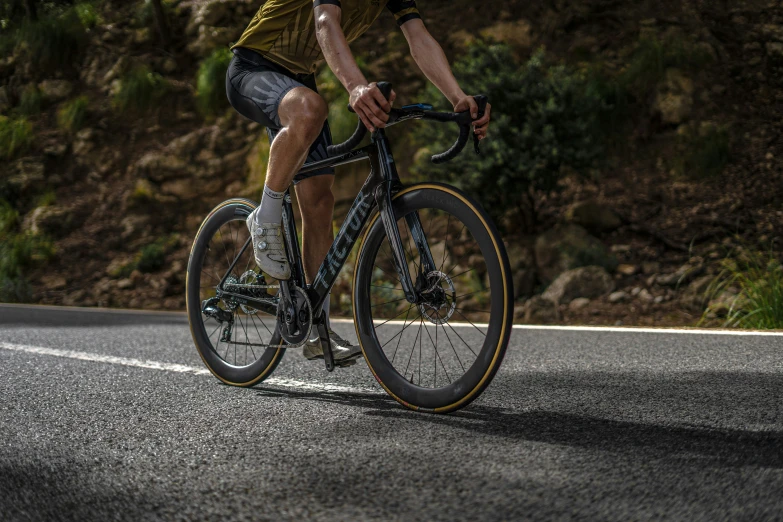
<point x="255" y="87"/>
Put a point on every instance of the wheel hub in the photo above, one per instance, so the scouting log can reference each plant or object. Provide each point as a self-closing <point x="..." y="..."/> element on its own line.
<point x="439" y="299"/>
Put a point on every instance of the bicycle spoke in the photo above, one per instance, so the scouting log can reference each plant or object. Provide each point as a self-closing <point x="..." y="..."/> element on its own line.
<point x="471" y="324"/>
<point x="399" y="333"/>
<point x="461" y="339"/>
<point x="454" y="349"/>
<point x="395" y="317"/>
<point x="413" y="350"/>
<point x="437" y="356"/>
<point x="389" y="302"/>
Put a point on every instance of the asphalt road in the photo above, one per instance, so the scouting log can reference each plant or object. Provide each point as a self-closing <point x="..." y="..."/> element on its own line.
<point x="589" y="425"/>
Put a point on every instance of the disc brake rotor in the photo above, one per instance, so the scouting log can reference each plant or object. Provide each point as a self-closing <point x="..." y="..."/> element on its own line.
<point x="440" y="298"/>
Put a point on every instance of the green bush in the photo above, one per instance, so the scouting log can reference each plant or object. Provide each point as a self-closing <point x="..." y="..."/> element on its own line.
<point x="15" y="136"/>
<point x="18" y="252"/>
<point x="651" y="57"/>
<point x="759" y="303"/>
<point x="145" y="13"/>
<point x="211" y="82"/>
<point x="31" y="102"/>
<point x="341" y="122"/>
<point x="704" y="151"/>
<point x="73" y="114"/>
<point x="54" y="42"/>
<point x="544" y="119"/>
<point x="88" y="14"/>
<point x="141" y="90"/>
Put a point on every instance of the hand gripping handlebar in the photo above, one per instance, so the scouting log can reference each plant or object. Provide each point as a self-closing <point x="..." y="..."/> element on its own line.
<point x="463" y="119"/>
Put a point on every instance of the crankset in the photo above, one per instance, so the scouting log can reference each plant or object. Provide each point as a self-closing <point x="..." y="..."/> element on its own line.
<point x="294" y="315"/>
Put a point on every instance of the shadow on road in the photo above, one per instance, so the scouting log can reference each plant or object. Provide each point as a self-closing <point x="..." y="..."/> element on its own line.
<point x="666" y="438"/>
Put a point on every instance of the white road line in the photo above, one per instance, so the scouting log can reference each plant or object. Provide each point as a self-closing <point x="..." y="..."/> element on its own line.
<point x="176" y="368"/>
<point x="614" y="329"/>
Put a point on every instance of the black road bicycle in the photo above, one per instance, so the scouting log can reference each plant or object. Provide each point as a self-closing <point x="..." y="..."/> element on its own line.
<point x="432" y="290"/>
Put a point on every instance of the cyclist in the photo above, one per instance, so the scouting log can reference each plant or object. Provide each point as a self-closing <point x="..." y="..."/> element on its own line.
<point x="271" y="80"/>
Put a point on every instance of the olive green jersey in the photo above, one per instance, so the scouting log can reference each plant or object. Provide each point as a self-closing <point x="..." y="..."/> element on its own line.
<point x="284" y="30"/>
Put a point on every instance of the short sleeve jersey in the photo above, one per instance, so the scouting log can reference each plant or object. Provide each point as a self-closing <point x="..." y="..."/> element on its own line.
<point x="284" y="30"/>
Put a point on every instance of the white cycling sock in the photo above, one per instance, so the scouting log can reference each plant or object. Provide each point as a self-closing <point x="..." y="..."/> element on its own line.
<point x="271" y="208"/>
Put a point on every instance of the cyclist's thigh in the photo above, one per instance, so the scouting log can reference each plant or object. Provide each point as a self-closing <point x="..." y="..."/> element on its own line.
<point x="255" y="89"/>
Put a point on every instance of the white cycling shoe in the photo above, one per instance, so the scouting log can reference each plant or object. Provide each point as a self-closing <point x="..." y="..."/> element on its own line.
<point x="269" y="248"/>
<point x="342" y="351"/>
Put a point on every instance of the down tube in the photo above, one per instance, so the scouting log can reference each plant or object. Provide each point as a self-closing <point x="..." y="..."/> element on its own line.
<point x="357" y="217"/>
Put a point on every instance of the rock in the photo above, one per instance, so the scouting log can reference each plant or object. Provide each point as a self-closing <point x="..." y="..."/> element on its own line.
<point x="210" y="13"/>
<point x="55" y="220"/>
<point x="53" y="282"/>
<point x="117" y="70"/>
<point x="620" y="249"/>
<point x="618" y="297"/>
<point x="5" y="103"/>
<point x="594" y="216"/>
<point x="682" y="276"/>
<point x="697" y="295"/>
<point x="142" y="36"/>
<point x="539" y="310"/>
<point x="646" y="296"/>
<point x="125" y="284"/>
<point x="523" y="269"/>
<point x="28" y="175"/>
<point x="651" y="267"/>
<point x="775" y="49"/>
<point x="566" y="247"/>
<point x="84" y="142"/>
<point x="578" y="303"/>
<point x="518" y="34"/>
<point x="628" y="270"/>
<point x="55" y="90"/>
<point x="674" y="97"/>
<point x="169" y="65"/>
<point x="772" y="32"/>
<point x="210" y="38"/>
<point x="161" y="166"/>
<point x="590" y="282"/>
<point x="55" y="149"/>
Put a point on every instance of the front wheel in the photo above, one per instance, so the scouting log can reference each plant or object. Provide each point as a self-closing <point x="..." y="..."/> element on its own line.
<point x="437" y="355"/>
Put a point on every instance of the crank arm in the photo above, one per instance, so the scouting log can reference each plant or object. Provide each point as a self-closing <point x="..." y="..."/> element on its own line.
<point x="268" y="306"/>
<point x="323" y="333"/>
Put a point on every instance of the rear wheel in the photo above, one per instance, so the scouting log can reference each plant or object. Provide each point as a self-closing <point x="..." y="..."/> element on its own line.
<point x="237" y="343"/>
<point x="440" y="354"/>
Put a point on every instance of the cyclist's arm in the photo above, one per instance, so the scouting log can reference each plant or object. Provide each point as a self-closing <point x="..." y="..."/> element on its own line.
<point x="432" y="61"/>
<point x="366" y="99"/>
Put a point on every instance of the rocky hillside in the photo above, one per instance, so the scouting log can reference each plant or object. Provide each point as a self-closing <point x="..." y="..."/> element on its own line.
<point x="640" y="241"/>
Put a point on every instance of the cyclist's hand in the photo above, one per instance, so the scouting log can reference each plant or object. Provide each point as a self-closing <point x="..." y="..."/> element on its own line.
<point x="371" y="107"/>
<point x="480" y="126"/>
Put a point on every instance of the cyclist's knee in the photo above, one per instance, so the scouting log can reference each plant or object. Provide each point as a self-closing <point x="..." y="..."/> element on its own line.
<point x="306" y="110"/>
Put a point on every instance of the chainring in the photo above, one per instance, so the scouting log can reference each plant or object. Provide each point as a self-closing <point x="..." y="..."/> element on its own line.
<point x="303" y="308"/>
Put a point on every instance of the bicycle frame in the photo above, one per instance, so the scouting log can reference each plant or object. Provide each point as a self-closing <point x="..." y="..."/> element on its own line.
<point x="382" y="182"/>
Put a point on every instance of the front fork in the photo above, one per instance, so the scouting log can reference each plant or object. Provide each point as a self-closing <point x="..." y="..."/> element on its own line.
<point x="383" y="197"/>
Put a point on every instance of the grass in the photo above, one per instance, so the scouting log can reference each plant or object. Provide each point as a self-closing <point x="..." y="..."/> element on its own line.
<point x="141" y="90"/>
<point x="153" y="256"/>
<point x="211" y="82"/>
<point x="18" y="252"/>
<point x="88" y="14"/>
<point x="16" y="135"/>
<point x="54" y="42"/>
<point x="758" y="305"/>
<point x="705" y="152"/>
<point x="651" y="57"/>
<point x="31" y="101"/>
<point x="73" y="114"/>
